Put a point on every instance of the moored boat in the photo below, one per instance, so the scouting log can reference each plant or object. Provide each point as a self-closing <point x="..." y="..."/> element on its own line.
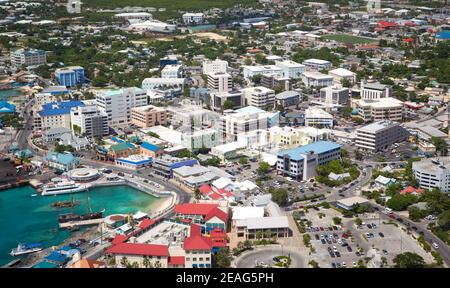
<point x="24" y="248"/>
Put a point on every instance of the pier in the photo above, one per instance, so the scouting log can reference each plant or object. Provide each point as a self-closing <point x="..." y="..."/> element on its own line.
<point x="81" y="223"/>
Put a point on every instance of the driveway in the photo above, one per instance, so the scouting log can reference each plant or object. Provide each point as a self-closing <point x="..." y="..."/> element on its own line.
<point x="265" y="254"/>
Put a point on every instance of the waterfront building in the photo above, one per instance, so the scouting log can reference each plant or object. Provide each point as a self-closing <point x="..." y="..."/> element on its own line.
<point x="260" y="97"/>
<point x="318" y="117"/>
<point x="172" y="71"/>
<point x="287" y="98"/>
<point x="291" y="69"/>
<point x="150" y="149"/>
<point x="117" y="103"/>
<point x="122" y="150"/>
<point x="316" y="79"/>
<point x="148" y="116"/>
<point x="164" y="165"/>
<point x="89" y="120"/>
<point x="41" y="99"/>
<point x="70" y="76"/>
<point x="375" y="90"/>
<point x="28" y="57"/>
<point x="193" y="18"/>
<point x="219" y="82"/>
<point x="134" y="162"/>
<point x="336" y="95"/>
<point x="301" y="162"/>
<point x="317" y="64"/>
<point x="7" y="108"/>
<point x="62" y="161"/>
<point x="249" y="228"/>
<point x="341" y="74"/>
<point x="433" y="173"/>
<point x="214" y="66"/>
<point x="380" y="135"/>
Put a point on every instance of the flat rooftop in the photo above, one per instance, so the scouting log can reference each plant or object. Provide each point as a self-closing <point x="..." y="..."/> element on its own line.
<point x="378" y="126"/>
<point x="166" y="233"/>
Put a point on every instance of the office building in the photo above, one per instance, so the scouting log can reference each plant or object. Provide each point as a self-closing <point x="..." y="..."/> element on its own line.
<point x="219" y="82"/>
<point x="316" y="79"/>
<point x="381" y="109"/>
<point x="117" y="103"/>
<point x="55" y="114"/>
<point x="318" y="117"/>
<point x="89" y="120"/>
<point x="135" y="15"/>
<point x="375" y="90"/>
<point x="341" y="74"/>
<point x="317" y="64"/>
<point x="250" y="71"/>
<point x="218" y="99"/>
<point x="28" y="57"/>
<point x="148" y="116"/>
<point x="70" y="76"/>
<point x="172" y="71"/>
<point x="214" y="66"/>
<point x="336" y="95"/>
<point x="193" y="18"/>
<point x="300" y="163"/>
<point x="163" y="83"/>
<point x="291" y="69"/>
<point x="287" y="98"/>
<point x="380" y="135"/>
<point x="433" y="173"/>
<point x="277" y="83"/>
<point x="260" y="97"/>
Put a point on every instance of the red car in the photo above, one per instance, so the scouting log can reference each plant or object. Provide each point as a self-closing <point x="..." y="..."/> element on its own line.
<point x="392" y="216"/>
<point x="321" y="228"/>
<point x="345" y="236"/>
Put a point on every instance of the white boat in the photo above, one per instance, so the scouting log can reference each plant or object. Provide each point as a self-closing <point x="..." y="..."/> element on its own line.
<point x="64" y="187"/>
<point x="23" y="248"/>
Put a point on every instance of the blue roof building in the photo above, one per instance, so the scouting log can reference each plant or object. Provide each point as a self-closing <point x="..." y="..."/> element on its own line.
<point x="6" y="107"/>
<point x="59" y="108"/>
<point x="24" y="153"/>
<point x="70" y="76"/>
<point x="62" y="161"/>
<point x="56" y="90"/>
<point x="301" y="162"/>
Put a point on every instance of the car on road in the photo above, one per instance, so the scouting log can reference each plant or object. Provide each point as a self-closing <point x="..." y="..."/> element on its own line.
<point x="369" y="226"/>
<point x="381" y="234"/>
<point x="344" y="265"/>
<point x="400" y="220"/>
<point x="349" y="249"/>
<point x="354" y="264"/>
<point x="385" y="252"/>
<point x="435" y="246"/>
<point x="276" y="259"/>
<point x="323" y="241"/>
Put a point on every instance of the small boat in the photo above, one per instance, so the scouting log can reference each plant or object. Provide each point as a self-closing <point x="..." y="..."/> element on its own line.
<point x="64" y="187"/>
<point x="70" y="217"/>
<point x="24" y="248"/>
<point x="34" y="195"/>
<point x="65" y="204"/>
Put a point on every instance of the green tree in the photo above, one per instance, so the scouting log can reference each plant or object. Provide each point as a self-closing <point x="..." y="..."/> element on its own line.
<point x="441" y="145"/>
<point x="197" y="194"/>
<point x="408" y="260"/>
<point x="243" y="160"/>
<point x="223" y="258"/>
<point x="337" y="220"/>
<point x="444" y="220"/>
<point x="228" y="105"/>
<point x="263" y="168"/>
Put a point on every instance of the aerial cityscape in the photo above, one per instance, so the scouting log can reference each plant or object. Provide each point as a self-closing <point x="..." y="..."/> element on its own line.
<point x="224" y="134"/>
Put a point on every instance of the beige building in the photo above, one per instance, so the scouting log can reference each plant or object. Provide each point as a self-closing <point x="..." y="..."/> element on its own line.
<point x="288" y="137"/>
<point x="381" y="109"/>
<point x="148" y="116"/>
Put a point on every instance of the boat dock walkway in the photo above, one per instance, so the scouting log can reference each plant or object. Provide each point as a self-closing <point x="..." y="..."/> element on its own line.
<point x="81" y="223"/>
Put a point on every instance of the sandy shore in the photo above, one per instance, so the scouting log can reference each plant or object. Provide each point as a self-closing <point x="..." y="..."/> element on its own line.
<point x="162" y="204"/>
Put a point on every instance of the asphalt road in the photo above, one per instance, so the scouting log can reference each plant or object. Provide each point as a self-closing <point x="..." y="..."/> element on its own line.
<point x="248" y="259"/>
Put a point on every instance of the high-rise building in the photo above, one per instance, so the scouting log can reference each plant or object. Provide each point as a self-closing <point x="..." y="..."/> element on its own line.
<point x="70" y="76"/>
<point x="89" y="120"/>
<point x="380" y="135"/>
<point x="260" y="97"/>
<point x="214" y="66"/>
<point x="219" y="82"/>
<point x="28" y="57"/>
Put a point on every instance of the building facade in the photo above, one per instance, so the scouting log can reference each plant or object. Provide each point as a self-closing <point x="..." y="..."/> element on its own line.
<point x="219" y="82"/>
<point x="28" y="57"/>
<point x="89" y="120"/>
<point x="380" y="135"/>
<point x="433" y="173"/>
<point x="214" y="66"/>
<point x="260" y="97"/>
<point x="148" y="116"/>
<point x="70" y="76"/>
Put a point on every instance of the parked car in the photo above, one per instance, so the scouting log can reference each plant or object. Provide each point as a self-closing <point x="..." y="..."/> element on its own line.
<point x="317" y="237"/>
<point x="349" y="249"/>
<point x="381" y="234"/>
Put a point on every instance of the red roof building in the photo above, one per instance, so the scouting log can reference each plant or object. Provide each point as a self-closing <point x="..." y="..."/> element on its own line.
<point x="408" y="40"/>
<point x="205" y="189"/>
<point x="119" y="239"/>
<point x="208" y="211"/>
<point x="146" y="223"/>
<point x="176" y="261"/>
<point x="139" y="249"/>
<point x="411" y="190"/>
<point x="196" y="241"/>
<point x="387" y="25"/>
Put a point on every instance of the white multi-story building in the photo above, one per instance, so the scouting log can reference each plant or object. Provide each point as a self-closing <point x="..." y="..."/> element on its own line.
<point x="316" y="79"/>
<point x="214" y="66"/>
<point x="219" y="82"/>
<point x="260" y="97"/>
<point x="41" y="99"/>
<point x="206" y="138"/>
<point x="381" y="109"/>
<point x="90" y="120"/>
<point x="117" y="103"/>
<point x="336" y="95"/>
<point x="288" y="137"/>
<point x="73" y="6"/>
<point x="375" y="91"/>
<point x="217" y="99"/>
<point x="245" y="120"/>
<point x="250" y="71"/>
<point x="341" y="74"/>
<point x="433" y="173"/>
<point x="172" y="71"/>
<point x="28" y="57"/>
<point x="317" y="64"/>
<point x="380" y="135"/>
<point x="163" y="83"/>
<point x="291" y="69"/>
<point x="193" y="18"/>
<point x="318" y="117"/>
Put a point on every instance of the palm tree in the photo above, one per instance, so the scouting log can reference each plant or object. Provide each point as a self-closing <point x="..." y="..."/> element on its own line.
<point x="146" y="262"/>
<point x="157" y="264"/>
<point x="267" y="233"/>
<point x="259" y="234"/>
<point x="124" y="261"/>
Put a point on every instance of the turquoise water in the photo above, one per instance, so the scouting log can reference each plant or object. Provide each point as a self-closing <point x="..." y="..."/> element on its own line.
<point x="24" y="218"/>
<point x="6" y="94"/>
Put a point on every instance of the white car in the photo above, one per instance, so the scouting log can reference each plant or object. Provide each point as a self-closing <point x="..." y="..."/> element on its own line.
<point x="354" y="264"/>
<point x="435" y="246"/>
<point x="343" y="264"/>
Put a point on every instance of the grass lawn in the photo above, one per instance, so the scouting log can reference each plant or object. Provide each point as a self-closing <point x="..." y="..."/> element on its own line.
<point x="349" y="39"/>
<point x="168" y="4"/>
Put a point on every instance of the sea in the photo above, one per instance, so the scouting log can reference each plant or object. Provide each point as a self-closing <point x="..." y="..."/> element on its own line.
<point x="28" y="218"/>
<point x="6" y="94"/>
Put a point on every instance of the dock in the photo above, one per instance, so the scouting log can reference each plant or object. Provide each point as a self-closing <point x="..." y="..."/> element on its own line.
<point x="12" y="263"/>
<point x="81" y="223"/>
